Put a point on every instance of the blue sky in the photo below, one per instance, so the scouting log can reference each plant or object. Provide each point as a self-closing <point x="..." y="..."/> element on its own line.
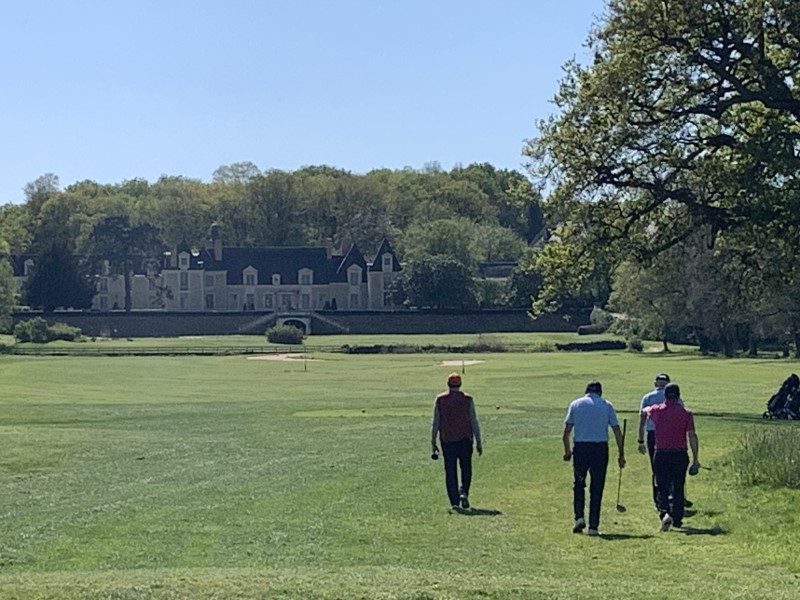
<point x="111" y="90"/>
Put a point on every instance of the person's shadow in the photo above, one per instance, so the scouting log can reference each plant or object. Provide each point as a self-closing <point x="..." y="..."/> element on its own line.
<point x="480" y="512"/>
<point x="716" y="530"/>
<point x="615" y="537"/>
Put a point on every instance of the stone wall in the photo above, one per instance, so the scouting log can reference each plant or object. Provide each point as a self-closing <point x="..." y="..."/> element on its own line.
<point x="166" y="324"/>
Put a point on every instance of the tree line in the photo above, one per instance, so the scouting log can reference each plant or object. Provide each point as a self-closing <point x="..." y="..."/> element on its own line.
<point x="448" y="221"/>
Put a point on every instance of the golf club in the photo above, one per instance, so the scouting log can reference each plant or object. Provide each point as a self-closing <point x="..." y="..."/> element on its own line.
<point x="620" y="507"/>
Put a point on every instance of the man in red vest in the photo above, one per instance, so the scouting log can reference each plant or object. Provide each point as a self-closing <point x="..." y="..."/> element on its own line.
<point x="456" y="425"/>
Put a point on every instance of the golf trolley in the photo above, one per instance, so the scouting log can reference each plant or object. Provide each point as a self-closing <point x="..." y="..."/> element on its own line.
<point x="785" y="403"/>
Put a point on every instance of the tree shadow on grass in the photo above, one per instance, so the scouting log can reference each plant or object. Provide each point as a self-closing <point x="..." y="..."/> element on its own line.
<point x="480" y="512"/>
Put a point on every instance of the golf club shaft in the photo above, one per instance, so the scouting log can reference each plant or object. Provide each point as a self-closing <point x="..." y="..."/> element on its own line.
<point x="624" y="431"/>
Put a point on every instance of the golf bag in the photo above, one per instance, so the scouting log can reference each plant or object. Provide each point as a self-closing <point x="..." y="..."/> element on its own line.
<point x="785" y="403"/>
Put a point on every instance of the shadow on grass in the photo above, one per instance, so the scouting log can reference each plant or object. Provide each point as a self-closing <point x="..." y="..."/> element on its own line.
<point x="479" y="512"/>
<point x="615" y="537"/>
<point x="716" y="530"/>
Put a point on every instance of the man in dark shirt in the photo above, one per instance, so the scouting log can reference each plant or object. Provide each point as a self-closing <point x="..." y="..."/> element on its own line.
<point x="456" y="424"/>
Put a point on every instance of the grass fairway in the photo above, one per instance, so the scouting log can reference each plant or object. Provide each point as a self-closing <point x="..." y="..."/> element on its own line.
<point x="223" y="477"/>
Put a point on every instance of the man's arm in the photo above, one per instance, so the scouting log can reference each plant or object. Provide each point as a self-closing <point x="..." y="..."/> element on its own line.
<point x="565" y="438"/>
<point x="694" y="444"/>
<point x="435" y="427"/>
<point x="641" y="439"/>
<point x="620" y="445"/>
<point x="476" y="428"/>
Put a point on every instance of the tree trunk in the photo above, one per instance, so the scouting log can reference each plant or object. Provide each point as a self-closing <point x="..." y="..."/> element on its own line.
<point x="127" y="280"/>
<point x="664" y="343"/>
<point x="752" y="346"/>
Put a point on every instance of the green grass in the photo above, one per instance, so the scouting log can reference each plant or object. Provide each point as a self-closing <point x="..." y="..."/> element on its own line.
<point x="222" y="477"/>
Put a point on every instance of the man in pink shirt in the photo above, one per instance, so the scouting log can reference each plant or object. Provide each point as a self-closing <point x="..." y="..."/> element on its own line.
<point x="674" y="425"/>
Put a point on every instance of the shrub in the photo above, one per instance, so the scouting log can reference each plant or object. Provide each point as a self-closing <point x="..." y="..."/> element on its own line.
<point x="592" y="346"/>
<point x="62" y="331"/>
<point x="635" y="344"/>
<point x="285" y="334"/>
<point x="33" y="330"/>
<point x="601" y="318"/>
<point x="591" y="329"/>
<point x="768" y="456"/>
<point x="38" y="331"/>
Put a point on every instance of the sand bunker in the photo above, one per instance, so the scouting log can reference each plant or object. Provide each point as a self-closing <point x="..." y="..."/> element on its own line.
<point x="458" y="363"/>
<point x="280" y="357"/>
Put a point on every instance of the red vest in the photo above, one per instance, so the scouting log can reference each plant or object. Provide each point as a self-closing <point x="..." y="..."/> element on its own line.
<point x="454" y="421"/>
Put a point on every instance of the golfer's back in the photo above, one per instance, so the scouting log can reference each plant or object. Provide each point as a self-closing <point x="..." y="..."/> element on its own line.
<point x="591" y="417"/>
<point x="455" y="423"/>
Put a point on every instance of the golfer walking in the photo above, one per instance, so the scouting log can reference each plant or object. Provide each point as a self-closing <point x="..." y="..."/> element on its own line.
<point x="590" y="417"/>
<point x="648" y="444"/>
<point x="456" y="425"/>
<point x="674" y="425"/>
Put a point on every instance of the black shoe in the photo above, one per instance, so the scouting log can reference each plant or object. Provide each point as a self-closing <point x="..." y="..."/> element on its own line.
<point x="464" y="501"/>
<point x="579" y="526"/>
<point x="688" y="503"/>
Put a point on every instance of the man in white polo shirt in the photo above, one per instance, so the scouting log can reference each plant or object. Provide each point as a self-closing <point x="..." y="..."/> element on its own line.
<point x="590" y="417"/>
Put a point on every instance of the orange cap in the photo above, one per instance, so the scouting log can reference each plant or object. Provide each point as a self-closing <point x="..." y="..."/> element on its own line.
<point x="454" y="380"/>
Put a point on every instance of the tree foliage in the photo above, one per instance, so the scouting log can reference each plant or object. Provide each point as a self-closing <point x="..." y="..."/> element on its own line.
<point x="438" y="282"/>
<point x="57" y="282"/>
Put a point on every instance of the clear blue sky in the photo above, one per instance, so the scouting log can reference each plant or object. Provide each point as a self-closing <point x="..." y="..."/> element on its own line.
<point x="110" y="90"/>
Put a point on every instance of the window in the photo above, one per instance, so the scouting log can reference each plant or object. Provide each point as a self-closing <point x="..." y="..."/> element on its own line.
<point x="184" y="261"/>
<point x="234" y="301"/>
<point x="321" y="300"/>
<point x="250" y="302"/>
<point x="276" y="279"/>
<point x="305" y="278"/>
<point x="387" y="282"/>
<point x="305" y="300"/>
<point x="353" y="300"/>
<point x="209" y="301"/>
<point x="184" y="302"/>
<point x="267" y="300"/>
<point x="28" y="267"/>
<point x="250" y="279"/>
<point x="354" y="277"/>
<point x="184" y="280"/>
<point x="209" y="281"/>
<point x="151" y="283"/>
<point x="387" y="299"/>
<point x="286" y="301"/>
<point x="387" y="262"/>
<point x="103" y="284"/>
<point x="103" y="302"/>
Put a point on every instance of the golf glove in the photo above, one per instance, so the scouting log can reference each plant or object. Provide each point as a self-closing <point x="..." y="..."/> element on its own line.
<point x="694" y="469"/>
<point x="642" y="449"/>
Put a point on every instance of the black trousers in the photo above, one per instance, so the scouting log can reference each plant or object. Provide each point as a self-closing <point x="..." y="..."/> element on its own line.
<point x="651" y="450"/>
<point x="457" y="454"/>
<point x="589" y="458"/>
<point x="670" y="466"/>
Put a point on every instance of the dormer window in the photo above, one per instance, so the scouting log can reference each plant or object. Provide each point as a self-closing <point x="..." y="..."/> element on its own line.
<point x="27" y="268"/>
<point x="184" y="260"/>
<point x="305" y="276"/>
<point x="250" y="276"/>
<point x="276" y="279"/>
<point x="387" y="262"/>
<point x="354" y="276"/>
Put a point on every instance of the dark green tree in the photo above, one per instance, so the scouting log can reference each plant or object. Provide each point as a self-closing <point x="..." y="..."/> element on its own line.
<point x="438" y="282"/>
<point x="125" y="246"/>
<point x="57" y="282"/>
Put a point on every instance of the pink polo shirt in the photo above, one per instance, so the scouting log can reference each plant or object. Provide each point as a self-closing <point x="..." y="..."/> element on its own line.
<point x="672" y="422"/>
